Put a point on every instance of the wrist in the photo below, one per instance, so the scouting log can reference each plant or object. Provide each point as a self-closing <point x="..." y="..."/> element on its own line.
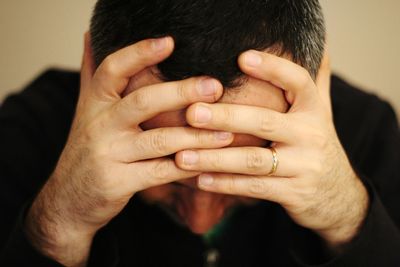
<point x="351" y="220"/>
<point x="54" y="238"/>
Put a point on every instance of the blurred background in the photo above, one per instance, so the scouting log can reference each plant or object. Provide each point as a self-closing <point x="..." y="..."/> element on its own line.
<point x="364" y="41"/>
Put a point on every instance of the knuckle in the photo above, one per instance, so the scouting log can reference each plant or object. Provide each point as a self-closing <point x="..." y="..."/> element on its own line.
<point x="140" y="52"/>
<point x="266" y="125"/>
<point x="318" y="139"/>
<point x="232" y="185"/>
<point x="181" y="91"/>
<point x="161" y="172"/>
<point x="93" y="130"/>
<point x="200" y="137"/>
<point x="109" y="66"/>
<point x="158" y="141"/>
<point x="142" y="45"/>
<point x="227" y="117"/>
<point x="107" y="181"/>
<point x="140" y="100"/>
<point x="143" y="49"/>
<point x="87" y="134"/>
<point x="257" y="187"/>
<point x="102" y="151"/>
<point x="255" y="161"/>
<point x="139" y="145"/>
<point x="303" y="193"/>
<point x="270" y="121"/>
<point x="315" y="167"/>
<point x="214" y="160"/>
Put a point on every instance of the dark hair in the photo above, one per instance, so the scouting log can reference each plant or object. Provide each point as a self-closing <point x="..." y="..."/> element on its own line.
<point x="210" y="34"/>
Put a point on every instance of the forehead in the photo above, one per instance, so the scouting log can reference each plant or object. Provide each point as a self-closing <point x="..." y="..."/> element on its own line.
<point x="258" y="93"/>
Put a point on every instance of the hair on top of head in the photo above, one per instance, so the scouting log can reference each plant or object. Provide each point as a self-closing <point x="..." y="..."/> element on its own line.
<point x="210" y="34"/>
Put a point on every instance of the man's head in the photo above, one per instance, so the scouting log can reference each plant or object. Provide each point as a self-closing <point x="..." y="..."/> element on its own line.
<point x="209" y="36"/>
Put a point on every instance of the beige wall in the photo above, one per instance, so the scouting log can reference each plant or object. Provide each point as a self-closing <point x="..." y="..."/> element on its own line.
<point x="38" y="34"/>
<point x="364" y="38"/>
<point x="364" y="41"/>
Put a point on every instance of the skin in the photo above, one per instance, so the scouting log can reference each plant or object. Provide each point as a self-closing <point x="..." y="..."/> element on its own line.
<point x="190" y="206"/>
<point x="120" y="145"/>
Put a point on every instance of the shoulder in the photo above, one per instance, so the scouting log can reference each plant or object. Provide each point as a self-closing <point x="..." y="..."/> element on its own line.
<point x="360" y="118"/>
<point x="348" y="98"/>
<point x="55" y="83"/>
<point x="40" y="115"/>
<point x="54" y="90"/>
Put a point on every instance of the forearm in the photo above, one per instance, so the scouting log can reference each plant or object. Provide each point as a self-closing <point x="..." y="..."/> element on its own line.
<point x="54" y="238"/>
<point x="376" y="242"/>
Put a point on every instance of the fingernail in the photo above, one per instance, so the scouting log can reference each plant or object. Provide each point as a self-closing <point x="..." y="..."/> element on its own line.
<point x="223" y="135"/>
<point x="206" y="180"/>
<point x="202" y="114"/>
<point x="159" y="44"/>
<point x="207" y="87"/>
<point x="252" y="59"/>
<point x="190" y="157"/>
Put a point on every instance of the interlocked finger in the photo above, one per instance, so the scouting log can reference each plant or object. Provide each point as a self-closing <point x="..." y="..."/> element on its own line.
<point x="162" y="142"/>
<point x="261" y="122"/>
<point x="149" y="101"/>
<point x="261" y="187"/>
<point x="150" y="173"/>
<point x="240" y="160"/>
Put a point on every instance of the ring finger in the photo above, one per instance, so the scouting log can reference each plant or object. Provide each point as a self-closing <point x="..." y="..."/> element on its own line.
<point x="240" y="160"/>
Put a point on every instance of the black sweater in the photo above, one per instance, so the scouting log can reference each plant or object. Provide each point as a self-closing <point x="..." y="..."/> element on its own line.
<point x="34" y="126"/>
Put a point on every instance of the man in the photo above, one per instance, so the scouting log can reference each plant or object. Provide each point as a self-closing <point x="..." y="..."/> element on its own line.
<point x="203" y="135"/>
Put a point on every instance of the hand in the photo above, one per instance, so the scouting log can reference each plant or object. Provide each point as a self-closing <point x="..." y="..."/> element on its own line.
<point x="314" y="180"/>
<point x="108" y="157"/>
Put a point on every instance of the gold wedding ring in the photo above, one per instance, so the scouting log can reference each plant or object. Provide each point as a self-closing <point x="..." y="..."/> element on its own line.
<point x="275" y="161"/>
